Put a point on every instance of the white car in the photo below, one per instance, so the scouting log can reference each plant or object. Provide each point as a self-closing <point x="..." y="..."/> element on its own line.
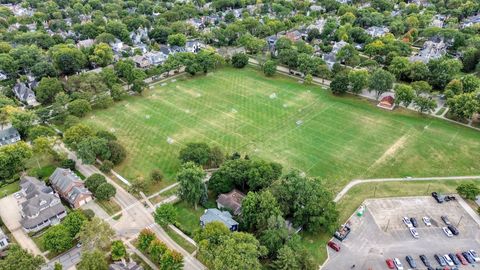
<point x="447" y="231"/>
<point x="474" y="255"/>
<point x="398" y="263"/>
<point x="17" y="195"/>
<point x="407" y="222"/>
<point x="414" y="233"/>
<point x="427" y="222"/>
<point x="448" y="260"/>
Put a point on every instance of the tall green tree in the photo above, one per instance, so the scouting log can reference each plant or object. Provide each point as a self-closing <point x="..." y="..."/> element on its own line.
<point x="381" y="81"/>
<point x="93" y="260"/>
<point x="192" y="188"/>
<point x="57" y="239"/>
<point x="18" y="258"/>
<point x="468" y="190"/>
<point x="96" y="234"/>
<point x="257" y="208"/>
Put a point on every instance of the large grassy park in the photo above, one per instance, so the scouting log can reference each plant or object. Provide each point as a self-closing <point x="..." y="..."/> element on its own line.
<point x="278" y="119"/>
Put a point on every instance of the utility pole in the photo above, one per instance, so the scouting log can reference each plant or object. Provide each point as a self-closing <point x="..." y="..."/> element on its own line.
<point x="388" y="224"/>
<point x="458" y="224"/>
<point x="375" y="191"/>
<point x="428" y="188"/>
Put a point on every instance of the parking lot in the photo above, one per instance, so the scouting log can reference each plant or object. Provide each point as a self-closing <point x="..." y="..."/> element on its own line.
<point x="380" y="234"/>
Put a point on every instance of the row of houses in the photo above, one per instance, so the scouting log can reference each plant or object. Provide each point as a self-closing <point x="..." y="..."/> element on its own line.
<point x="41" y="205"/>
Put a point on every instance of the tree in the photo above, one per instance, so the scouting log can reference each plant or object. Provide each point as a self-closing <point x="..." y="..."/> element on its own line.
<point x="91" y="148"/>
<point x="23" y="121"/>
<point x="418" y="71"/>
<point x="96" y="234"/>
<point x="106" y="166"/>
<point x="93" y="260"/>
<point x="400" y="67"/>
<point x="74" y="135"/>
<point x="102" y="55"/>
<point x="13" y="158"/>
<point x="177" y="40"/>
<point x="269" y="68"/>
<point x="442" y="71"/>
<point x="381" y="81"/>
<point x="165" y="214"/>
<point x="44" y="69"/>
<point x="18" y="258"/>
<point x="463" y="106"/>
<point x="156" y="175"/>
<point x="404" y="94"/>
<point x="208" y="60"/>
<point x="257" y="208"/>
<point x="339" y="84"/>
<point x="275" y="236"/>
<point x="239" y="60"/>
<point x="40" y="131"/>
<point x="160" y="33"/>
<point x="79" y="107"/>
<point x="424" y="104"/>
<point x="468" y="190"/>
<point x="117" y="152"/>
<point x="286" y="259"/>
<point x="118" y="250"/>
<point x="192" y="189"/>
<point x="67" y="58"/>
<point x="252" y="44"/>
<point x="171" y="260"/>
<point x="105" y="191"/>
<point x="47" y="89"/>
<point x="57" y="239"/>
<point x="156" y="249"/>
<point x="421" y="87"/>
<point x="145" y="238"/>
<point x="198" y="153"/>
<point x="94" y="181"/>
<point x="358" y="80"/>
<point x="74" y="222"/>
<point x="470" y="83"/>
<point x="57" y="266"/>
<point x="348" y="55"/>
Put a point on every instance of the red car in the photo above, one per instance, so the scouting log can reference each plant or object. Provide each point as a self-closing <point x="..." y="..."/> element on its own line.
<point x="462" y="259"/>
<point x="390" y="264"/>
<point x="334" y="246"/>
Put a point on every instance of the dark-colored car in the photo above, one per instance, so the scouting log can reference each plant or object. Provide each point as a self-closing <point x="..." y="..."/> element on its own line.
<point x="440" y="260"/>
<point x="468" y="257"/>
<point x="334" y="246"/>
<point x="425" y="260"/>
<point x="446" y="220"/>
<point x="453" y="229"/>
<point x="454" y="258"/>
<point x="437" y="197"/>
<point x="414" y="222"/>
<point x="462" y="259"/>
<point x="411" y="261"/>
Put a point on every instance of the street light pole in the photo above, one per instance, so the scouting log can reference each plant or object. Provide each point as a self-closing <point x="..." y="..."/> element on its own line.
<point x="458" y="224"/>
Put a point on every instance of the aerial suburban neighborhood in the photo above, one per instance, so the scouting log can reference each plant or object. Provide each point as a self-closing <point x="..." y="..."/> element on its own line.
<point x="227" y="134"/>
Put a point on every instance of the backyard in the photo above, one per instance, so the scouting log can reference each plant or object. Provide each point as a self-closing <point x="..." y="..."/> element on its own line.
<point x="303" y="127"/>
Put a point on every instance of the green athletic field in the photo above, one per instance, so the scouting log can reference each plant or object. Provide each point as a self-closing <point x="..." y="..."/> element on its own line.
<point x="278" y="119"/>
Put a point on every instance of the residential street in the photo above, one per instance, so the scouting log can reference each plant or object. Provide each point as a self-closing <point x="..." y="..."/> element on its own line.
<point x="68" y="260"/>
<point x="135" y="216"/>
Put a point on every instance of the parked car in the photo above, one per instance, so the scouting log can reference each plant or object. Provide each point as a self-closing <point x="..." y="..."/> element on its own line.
<point x="453" y="229"/>
<point x="437" y="197"/>
<point x="446" y="220"/>
<point x="17" y="195"/>
<point x="447" y="231"/>
<point x="449" y="198"/>
<point x="427" y="221"/>
<point x="462" y="259"/>
<point x="454" y="258"/>
<point x="414" y="233"/>
<point x="407" y="222"/>
<point x="474" y="255"/>
<point x="448" y="260"/>
<point x="334" y="246"/>
<point x="398" y="263"/>
<point x="414" y="221"/>
<point x="468" y="257"/>
<point x="390" y="264"/>
<point x="440" y="260"/>
<point x="425" y="260"/>
<point x="411" y="261"/>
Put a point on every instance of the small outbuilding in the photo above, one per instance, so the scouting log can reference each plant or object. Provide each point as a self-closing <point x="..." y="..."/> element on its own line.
<point x="231" y="201"/>
<point x="387" y="102"/>
<point x="224" y="217"/>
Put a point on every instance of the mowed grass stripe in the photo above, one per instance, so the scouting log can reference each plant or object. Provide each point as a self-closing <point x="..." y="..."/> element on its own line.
<point x="340" y="138"/>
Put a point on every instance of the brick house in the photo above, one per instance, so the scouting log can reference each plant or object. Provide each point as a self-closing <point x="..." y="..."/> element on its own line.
<point x="70" y="187"/>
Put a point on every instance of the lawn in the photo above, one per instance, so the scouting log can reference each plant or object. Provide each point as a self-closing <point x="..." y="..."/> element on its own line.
<point x="278" y="119"/>
<point x="111" y="207"/>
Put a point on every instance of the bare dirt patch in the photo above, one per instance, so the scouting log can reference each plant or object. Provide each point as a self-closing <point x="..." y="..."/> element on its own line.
<point x="392" y="150"/>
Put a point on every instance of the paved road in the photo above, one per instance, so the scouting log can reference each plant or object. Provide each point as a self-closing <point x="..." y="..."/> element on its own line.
<point x="135" y="216"/>
<point x="363" y="181"/>
<point x="68" y="260"/>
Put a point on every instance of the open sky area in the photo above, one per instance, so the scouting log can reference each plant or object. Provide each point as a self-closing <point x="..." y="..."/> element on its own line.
<point x="278" y="119"/>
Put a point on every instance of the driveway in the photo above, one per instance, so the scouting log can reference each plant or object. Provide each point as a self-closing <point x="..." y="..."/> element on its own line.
<point x="10" y="213"/>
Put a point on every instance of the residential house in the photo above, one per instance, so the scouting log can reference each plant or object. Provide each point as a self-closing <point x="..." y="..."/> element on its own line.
<point x="438" y="21"/>
<point x="296" y="35"/>
<point x="9" y="135"/>
<point x="317" y="8"/>
<point x="3" y="240"/>
<point x="432" y="49"/>
<point x="231" y="201"/>
<point x="271" y="41"/>
<point x="196" y="23"/>
<point x="139" y="36"/>
<point x="377" y="31"/>
<point x="331" y="57"/>
<point x="24" y="92"/>
<point x="224" y="217"/>
<point x="123" y="265"/>
<point x="70" y="187"/>
<point x="141" y="61"/>
<point x="156" y="58"/>
<point x="41" y="206"/>
<point x="319" y="24"/>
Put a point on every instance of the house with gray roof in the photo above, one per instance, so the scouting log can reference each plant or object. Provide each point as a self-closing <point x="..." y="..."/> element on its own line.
<point x="41" y="207"/>
<point x="70" y="187"/>
<point x="471" y="21"/>
<point x="434" y="48"/>
<point x="377" y="31"/>
<point x="3" y="240"/>
<point x="24" y="92"/>
<point x="331" y="57"/>
<point x="9" y="135"/>
<point x="213" y="214"/>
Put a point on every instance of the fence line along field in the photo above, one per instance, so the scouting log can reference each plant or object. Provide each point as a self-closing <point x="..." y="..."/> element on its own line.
<point x="278" y="119"/>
